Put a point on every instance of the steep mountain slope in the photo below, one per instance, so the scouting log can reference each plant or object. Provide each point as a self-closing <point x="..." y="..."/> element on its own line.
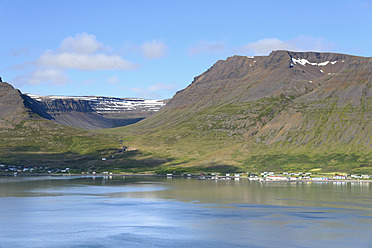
<point x="340" y="107"/>
<point x="288" y="110"/>
<point x="93" y="112"/>
<point x="28" y="139"/>
<point x="11" y="104"/>
<point x="242" y="79"/>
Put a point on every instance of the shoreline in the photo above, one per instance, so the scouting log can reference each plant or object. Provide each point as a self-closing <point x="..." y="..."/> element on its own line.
<point x="180" y="176"/>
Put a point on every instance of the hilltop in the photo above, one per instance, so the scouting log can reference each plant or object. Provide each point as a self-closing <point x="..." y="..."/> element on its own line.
<point x="288" y="110"/>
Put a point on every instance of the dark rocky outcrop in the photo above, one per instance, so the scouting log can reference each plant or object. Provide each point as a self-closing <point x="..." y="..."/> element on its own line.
<point x="92" y="112"/>
<point x="84" y="112"/>
<point x="12" y="107"/>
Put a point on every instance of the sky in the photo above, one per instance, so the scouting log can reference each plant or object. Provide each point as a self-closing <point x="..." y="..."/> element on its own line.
<point x="152" y="49"/>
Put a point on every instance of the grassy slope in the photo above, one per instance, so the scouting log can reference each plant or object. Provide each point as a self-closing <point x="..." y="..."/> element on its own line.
<point x="334" y="138"/>
<point x="327" y="128"/>
<point x="44" y="143"/>
<point x="226" y="138"/>
<point x="40" y="142"/>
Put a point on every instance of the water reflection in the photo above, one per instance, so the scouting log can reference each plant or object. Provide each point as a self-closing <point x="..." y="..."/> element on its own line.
<point x="329" y="194"/>
<point x="160" y="212"/>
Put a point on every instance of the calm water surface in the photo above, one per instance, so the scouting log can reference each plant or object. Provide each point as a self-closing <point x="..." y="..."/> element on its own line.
<point x="180" y="212"/>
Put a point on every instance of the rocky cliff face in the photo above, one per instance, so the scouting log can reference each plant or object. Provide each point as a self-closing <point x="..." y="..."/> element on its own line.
<point x="11" y="103"/>
<point x="84" y="112"/>
<point x="93" y="112"/>
<point x="12" y="106"/>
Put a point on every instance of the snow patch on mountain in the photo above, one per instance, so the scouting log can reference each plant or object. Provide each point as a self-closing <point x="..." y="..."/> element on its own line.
<point x="305" y="61"/>
<point x="109" y="104"/>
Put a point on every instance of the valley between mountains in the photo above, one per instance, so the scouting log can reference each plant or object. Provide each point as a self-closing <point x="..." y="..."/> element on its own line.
<point x="292" y="111"/>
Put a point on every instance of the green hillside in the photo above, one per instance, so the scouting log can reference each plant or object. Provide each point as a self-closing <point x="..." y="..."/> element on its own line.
<point x="279" y="116"/>
<point x="43" y="143"/>
<point x="288" y="111"/>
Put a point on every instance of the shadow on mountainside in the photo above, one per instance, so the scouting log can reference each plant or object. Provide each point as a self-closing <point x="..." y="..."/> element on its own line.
<point x="106" y="159"/>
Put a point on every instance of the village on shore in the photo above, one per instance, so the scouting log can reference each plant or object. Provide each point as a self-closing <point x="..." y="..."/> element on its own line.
<point x="7" y="170"/>
<point x="282" y="177"/>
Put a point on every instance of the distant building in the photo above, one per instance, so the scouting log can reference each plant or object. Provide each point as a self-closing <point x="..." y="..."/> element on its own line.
<point x="339" y="177"/>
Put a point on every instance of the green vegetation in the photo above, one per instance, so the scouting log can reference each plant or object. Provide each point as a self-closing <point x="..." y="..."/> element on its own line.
<point x="234" y="137"/>
<point x="42" y="142"/>
<point x="231" y="118"/>
<point x="231" y="137"/>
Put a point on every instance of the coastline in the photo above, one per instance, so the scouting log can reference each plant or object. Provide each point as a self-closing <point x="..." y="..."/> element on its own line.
<point x="183" y="176"/>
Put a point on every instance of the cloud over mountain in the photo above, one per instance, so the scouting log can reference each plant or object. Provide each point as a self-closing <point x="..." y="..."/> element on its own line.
<point x="82" y="52"/>
<point x="84" y="62"/>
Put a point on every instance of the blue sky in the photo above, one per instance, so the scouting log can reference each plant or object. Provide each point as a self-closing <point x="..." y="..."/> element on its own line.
<point x="151" y="49"/>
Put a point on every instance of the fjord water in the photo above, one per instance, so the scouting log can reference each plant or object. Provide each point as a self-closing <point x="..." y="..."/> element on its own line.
<point x="180" y="212"/>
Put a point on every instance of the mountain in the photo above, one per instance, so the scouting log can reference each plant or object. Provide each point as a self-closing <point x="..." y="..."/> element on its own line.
<point x="30" y="136"/>
<point x="26" y="138"/>
<point x="12" y="108"/>
<point x="290" y="111"/>
<point x="285" y="111"/>
<point x="92" y="112"/>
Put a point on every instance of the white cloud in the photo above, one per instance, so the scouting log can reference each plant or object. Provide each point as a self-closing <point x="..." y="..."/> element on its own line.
<point x="82" y="43"/>
<point x="154" y="49"/>
<point x="82" y="52"/>
<point x="84" y="62"/>
<point x="300" y="43"/>
<point x="206" y="46"/>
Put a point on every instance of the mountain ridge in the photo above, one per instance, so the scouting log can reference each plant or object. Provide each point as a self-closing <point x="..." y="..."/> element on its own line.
<point x="92" y="112"/>
<point x="287" y="104"/>
<point x="251" y="69"/>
